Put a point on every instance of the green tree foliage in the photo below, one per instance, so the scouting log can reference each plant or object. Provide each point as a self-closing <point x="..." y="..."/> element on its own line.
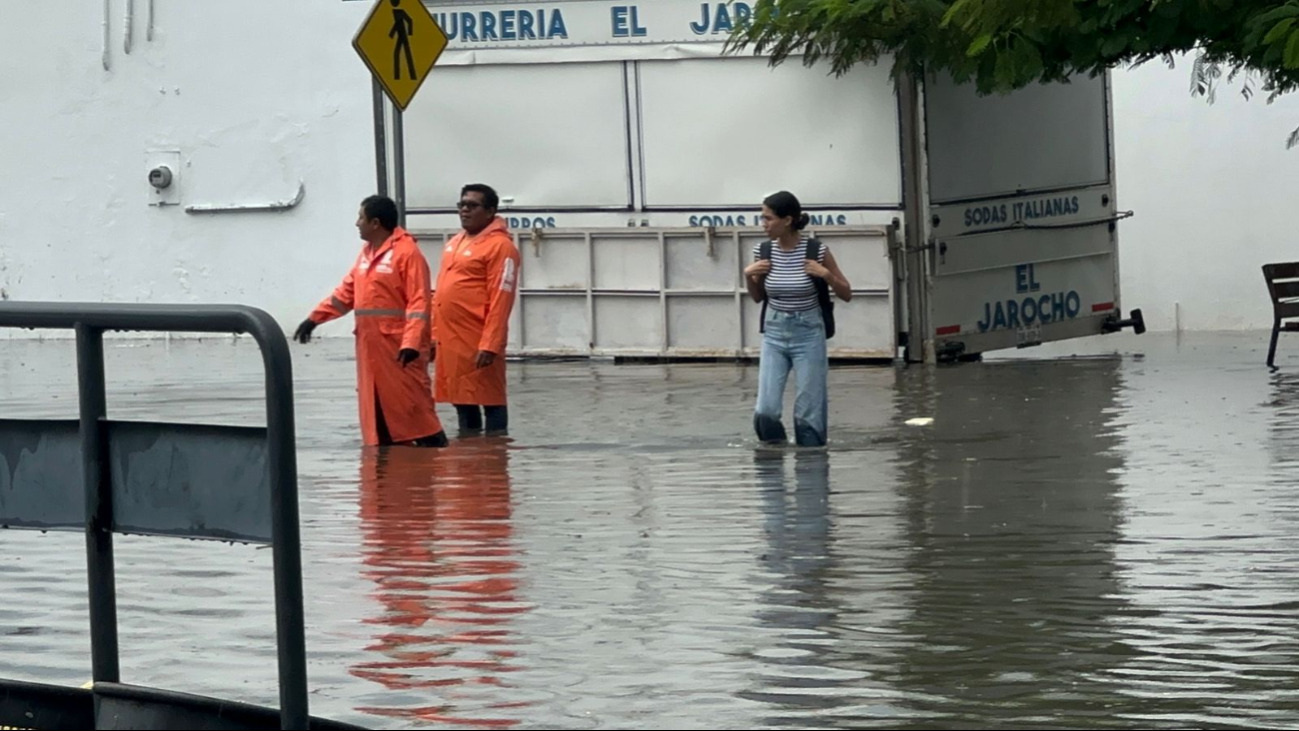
<point x="1002" y="45"/>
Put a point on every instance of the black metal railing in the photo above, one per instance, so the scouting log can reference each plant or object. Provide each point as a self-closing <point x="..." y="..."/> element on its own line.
<point x="115" y="499"/>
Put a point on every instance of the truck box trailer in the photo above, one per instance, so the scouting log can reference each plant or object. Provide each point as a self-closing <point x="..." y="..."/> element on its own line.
<point x="632" y="155"/>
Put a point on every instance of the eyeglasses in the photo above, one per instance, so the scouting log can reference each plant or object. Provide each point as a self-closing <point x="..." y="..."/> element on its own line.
<point x="468" y="205"/>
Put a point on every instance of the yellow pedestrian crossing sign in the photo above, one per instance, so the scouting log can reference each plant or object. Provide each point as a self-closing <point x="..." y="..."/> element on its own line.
<point x="400" y="42"/>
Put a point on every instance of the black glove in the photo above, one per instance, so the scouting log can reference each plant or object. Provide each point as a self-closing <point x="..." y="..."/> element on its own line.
<point x="303" y="333"/>
<point x="407" y="356"/>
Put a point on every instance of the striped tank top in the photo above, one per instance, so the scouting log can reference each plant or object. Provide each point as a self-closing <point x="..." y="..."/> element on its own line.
<point x="789" y="286"/>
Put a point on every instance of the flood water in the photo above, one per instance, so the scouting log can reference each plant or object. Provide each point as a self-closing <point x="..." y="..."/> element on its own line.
<point x="1109" y="541"/>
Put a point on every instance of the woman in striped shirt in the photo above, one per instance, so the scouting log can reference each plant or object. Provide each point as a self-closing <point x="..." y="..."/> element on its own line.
<point x="794" y="335"/>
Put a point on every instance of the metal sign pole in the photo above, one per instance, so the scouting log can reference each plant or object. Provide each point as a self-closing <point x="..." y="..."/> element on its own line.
<point x="399" y="165"/>
<point x="380" y="139"/>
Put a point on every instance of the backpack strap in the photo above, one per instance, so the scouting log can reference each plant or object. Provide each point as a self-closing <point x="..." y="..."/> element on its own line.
<point x="813" y="250"/>
<point x="764" y="254"/>
<point x="822" y="289"/>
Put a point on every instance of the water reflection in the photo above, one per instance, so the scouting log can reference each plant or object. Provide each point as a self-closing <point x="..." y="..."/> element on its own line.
<point x="438" y="546"/>
<point x="833" y="600"/>
<point x="795" y="492"/>
<point x="1284" y="429"/>
<point x="1013" y="512"/>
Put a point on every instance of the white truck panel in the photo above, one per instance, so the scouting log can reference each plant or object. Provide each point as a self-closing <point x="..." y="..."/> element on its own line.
<point x="551" y="136"/>
<point x="1023" y="237"/>
<point x="749" y="130"/>
<point x="674" y="292"/>
<point x="1044" y="137"/>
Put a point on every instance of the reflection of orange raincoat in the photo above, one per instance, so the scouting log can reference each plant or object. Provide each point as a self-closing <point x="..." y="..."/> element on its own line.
<point x="471" y="312"/>
<point x="388" y="289"/>
<point x="438" y="544"/>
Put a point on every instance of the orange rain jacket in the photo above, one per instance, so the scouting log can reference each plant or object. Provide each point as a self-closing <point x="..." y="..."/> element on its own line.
<point x="387" y="290"/>
<point x="476" y="287"/>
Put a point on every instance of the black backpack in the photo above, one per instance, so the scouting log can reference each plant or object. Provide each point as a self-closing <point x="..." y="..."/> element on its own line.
<point x="822" y="288"/>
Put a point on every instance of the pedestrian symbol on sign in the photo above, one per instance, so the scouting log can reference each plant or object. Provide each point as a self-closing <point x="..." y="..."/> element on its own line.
<point x="400" y="42"/>
<point x="402" y="29"/>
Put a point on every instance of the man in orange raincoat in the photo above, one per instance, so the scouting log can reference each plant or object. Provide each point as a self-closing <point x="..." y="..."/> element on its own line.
<point x="476" y="286"/>
<point x="387" y="290"/>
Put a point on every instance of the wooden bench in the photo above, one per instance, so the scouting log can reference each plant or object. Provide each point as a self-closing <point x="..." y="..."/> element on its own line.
<point x="1283" y="286"/>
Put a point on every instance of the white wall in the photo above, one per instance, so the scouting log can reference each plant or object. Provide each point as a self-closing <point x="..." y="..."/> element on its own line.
<point x="1213" y="189"/>
<point x="258" y="95"/>
<point x="255" y="95"/>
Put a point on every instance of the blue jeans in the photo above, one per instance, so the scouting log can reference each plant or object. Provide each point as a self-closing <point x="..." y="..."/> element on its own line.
<point x="793" y="341"/>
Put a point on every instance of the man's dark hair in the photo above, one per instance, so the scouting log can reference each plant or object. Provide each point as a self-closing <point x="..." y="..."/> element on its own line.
<point x="490" y="199"/>
<point x="383" y="208"/>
